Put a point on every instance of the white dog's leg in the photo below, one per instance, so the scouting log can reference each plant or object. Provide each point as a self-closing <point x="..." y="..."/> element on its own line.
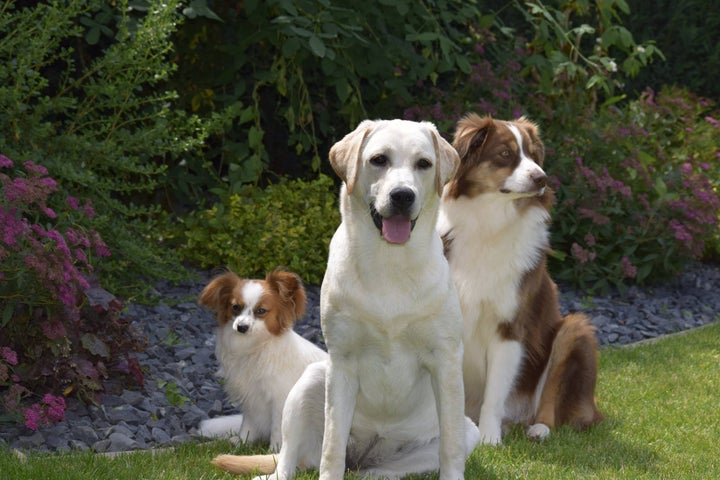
<point x="447" y="384"/>
<point x="504" y="359"/>
<point x="302" y="424"/>
<point x="340" y="398"/>
<point x="221" y="427"/>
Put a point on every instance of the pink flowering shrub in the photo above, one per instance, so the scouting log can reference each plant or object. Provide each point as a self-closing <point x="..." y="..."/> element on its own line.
<point x="637" y="191"/>
<point x="56" y="336"/>
<point x="50" y="409"/>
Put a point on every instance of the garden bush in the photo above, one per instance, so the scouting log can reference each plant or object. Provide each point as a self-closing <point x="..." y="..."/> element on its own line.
<point x="100" y="117"/>
<point x="637" y="190"/>
<point x="255" y="230"/>
<point x="59" y="335"/>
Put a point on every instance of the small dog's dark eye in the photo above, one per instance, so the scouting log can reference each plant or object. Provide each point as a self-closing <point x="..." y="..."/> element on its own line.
<point x="259" y="312"/>
<point x="424" y="164"/>
<point x="237" y="309"/>
<point x="379" y="160"/>
<point x="505" y="153"/>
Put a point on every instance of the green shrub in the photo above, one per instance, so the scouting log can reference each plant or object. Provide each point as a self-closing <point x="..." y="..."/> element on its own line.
<point x="99" y="117"/>
<point x="301" y="73"/>
<point x="253" y="231"/>
<point x="637" y="190"/>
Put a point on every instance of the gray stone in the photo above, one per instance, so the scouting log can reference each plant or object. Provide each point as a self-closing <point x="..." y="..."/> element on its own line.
<point x="119" y="442"/>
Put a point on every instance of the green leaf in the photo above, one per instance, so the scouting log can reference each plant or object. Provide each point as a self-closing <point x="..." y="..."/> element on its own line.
<point x="422" y="37"/>
<point x="7" y="314"/>
<point x="317" y="46"/>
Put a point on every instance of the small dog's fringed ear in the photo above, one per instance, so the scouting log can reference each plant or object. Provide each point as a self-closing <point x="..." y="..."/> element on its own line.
<point x="216" y="294"/>
<point x="447" y="160"/>
<point x="345" y="155"/>
<point x="291" y="291"/>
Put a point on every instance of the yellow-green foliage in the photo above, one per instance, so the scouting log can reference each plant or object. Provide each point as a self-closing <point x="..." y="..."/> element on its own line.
<point x="287" y="224"/>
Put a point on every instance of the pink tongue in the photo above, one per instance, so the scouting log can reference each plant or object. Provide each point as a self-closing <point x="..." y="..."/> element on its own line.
<point x="396" y="229"/>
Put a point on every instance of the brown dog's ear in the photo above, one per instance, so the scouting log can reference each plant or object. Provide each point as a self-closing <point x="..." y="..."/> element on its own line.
<point x="291" y="292"/>
<point x="447" y="159"/>
<point x="217" y="294"/>
<point x="345" y="155"/>
<point x="471" y="133"/>
<point x="537" y="148"/>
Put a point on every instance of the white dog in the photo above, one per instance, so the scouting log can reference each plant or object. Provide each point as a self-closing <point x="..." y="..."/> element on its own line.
<point x="260" y="355"/>
<point x="392" y="385"/>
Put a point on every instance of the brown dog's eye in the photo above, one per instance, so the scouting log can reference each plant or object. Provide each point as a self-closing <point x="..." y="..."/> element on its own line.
<point x="424" y="164"/>
<point x="237" y="309"/>
<point x="259" y="312"/>
<point x="379" y="160"/>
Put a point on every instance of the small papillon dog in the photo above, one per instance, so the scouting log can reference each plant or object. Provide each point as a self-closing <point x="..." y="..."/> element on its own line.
<point x="260" y="355"/>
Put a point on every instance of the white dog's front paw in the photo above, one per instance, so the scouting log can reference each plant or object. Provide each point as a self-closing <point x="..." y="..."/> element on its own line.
<point x="490" y="432"/>
<point x="539" y="431"/>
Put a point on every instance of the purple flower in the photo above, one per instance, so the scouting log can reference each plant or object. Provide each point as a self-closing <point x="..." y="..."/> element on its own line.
<point x="590" y="240"/>
<point x="583" y="256"/>
<point x="33" y="417"/>
<point x="14" y="229"/>
<point x="629" y="270"/>
<point x="73" y="203"/>
<point x="5" y="162"/>
<point x="712" y="121"/>
<point x="9" y="355"/>
<point x="33" y="167"/>
<point x="49" y="212"/>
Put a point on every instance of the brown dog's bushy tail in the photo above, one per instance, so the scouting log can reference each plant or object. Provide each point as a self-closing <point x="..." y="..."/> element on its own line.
<point x="246" y="464"/>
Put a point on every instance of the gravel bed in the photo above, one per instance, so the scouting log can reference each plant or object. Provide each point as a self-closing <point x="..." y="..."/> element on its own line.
<point x="181" y="388"/>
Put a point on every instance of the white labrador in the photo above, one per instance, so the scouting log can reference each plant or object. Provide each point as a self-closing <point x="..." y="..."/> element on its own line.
<point x="392" y="387"/>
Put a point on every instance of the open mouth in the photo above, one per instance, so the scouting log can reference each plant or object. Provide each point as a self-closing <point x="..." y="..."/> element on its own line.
<point x="394" y="229"/>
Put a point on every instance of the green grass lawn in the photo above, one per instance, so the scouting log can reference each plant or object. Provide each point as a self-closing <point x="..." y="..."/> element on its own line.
<point x="661" y="401"/>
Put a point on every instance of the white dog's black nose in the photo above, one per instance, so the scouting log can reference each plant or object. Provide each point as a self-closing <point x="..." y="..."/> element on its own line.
<point x="402" y="199"/>
<point x="242" y="328"/>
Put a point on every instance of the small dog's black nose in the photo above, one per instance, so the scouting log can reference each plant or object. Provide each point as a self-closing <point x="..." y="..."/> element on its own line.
<point x="242" y="328"/>
<point x="402" y="198"/>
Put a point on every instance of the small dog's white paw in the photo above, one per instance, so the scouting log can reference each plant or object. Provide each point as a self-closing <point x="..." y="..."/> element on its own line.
<point x="539" y="431"/>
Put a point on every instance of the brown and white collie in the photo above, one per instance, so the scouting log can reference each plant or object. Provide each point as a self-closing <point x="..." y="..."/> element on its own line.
<point x="523" y="362"/>
<point x="260" y="355"/>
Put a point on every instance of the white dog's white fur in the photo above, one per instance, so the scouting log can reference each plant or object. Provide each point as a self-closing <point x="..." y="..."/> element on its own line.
<point x="392" y="387"/>
<point x="260" y="356"/>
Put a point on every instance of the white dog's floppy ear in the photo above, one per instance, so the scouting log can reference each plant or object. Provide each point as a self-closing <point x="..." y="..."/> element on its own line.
<point x="447" y="160"/>
<point x="345" y="154"/>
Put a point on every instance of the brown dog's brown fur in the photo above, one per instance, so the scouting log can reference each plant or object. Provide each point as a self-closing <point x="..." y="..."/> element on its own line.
<point x="566" y="345"/>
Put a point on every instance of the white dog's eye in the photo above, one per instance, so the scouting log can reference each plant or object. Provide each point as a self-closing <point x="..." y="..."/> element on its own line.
<point x="259" y="312"/>
<point x="424" y="164"/>
<point x="379" y="160"/>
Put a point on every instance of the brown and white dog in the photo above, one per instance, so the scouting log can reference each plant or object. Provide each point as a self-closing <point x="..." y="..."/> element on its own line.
<point x="260" y="355"/>
<point x="523" y="362"/>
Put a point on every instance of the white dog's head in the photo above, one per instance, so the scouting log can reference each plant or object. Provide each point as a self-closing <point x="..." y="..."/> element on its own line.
<point x="396" y="167"/>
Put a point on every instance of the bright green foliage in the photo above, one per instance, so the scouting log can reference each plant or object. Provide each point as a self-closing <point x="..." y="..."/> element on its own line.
<point x="100" y="119"/>
<point x="253" y="231"/>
